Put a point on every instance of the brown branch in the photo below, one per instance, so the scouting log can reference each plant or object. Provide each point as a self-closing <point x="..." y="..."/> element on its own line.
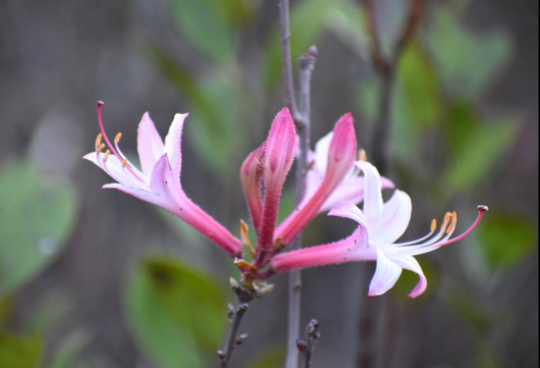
<point x="306" y="65"/>
<point x="246" y="292"/>
<point x="286" y="66"/>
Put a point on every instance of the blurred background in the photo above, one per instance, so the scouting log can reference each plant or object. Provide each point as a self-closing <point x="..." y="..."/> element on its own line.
<point x="95" y="278"/>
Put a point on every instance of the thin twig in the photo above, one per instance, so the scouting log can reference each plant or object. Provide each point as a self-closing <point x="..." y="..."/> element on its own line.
<point x="235" y="315"/>
<point x="286" y="66"/>
<point x="307" y="346"/>
<point x="306" y="65"/>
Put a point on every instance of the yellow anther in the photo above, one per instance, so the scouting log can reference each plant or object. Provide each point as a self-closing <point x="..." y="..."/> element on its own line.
<point x="244" y="229"/>
<point x="433" y="225"/>
<point x="362" y="156"/>
<point x="117" y="138"/>
<point x="447" y="218"/>
<point x="452" y="226"/>
<point x="107" y="155"/>
<point x="98" y="140"/>
<point x="100" y="148"/>
<point x="124" y="163"/>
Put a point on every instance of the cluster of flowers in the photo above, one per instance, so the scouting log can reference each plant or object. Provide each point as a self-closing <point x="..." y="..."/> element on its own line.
<point x="337" y="181"/>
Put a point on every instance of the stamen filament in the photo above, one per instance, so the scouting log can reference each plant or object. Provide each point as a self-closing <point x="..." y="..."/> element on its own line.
<point x="111" y="147"/>
<point x="426" y="248"/>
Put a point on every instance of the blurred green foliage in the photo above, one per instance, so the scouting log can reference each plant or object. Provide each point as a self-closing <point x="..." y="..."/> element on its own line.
<point x="35" y="219"/>
<point x="18" y="352"/>
<point x="177" y="313"/>
<point x="507" y="239"/>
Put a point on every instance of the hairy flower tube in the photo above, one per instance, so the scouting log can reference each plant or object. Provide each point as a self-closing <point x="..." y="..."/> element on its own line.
<point x="379" y="226"/>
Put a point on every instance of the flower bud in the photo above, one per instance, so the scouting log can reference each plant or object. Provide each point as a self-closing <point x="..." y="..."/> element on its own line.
<point x="280" y="147"/>
<point x="251" y="175"/>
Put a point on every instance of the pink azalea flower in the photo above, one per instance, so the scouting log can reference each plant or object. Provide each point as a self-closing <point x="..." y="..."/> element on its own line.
<point x="158" y="181"/>
<point x="380" y="225"/>
<point x="349" y="190"/>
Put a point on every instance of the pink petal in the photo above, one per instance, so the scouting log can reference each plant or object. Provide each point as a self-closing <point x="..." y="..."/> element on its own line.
<point x="149" y="144"/>
<point x="373" y="202"/>
<point x="113" y="167"/>
<point x="393" y="221"/>
<point x="411" y="264"/>
<point x="141" y="194"/>
<point x="173" y="144"/>
<point x="349" y="211"/>
<point x="161" y="183"/>
<point x="386" y="275"/>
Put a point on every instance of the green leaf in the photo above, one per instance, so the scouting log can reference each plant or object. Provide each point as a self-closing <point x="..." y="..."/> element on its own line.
<point x="206" y="24"/>
<point x="240" y="12"/>
<point x="420" y="83"/>
<point x="20" y="352"/>
<point x="479" y="150"/>
<point x="35" y="218"/>
<point x="470" y="64"/>
<point x="177" y="313"/>
<point x="506" y="239"/>
<point x="307" y="21"/>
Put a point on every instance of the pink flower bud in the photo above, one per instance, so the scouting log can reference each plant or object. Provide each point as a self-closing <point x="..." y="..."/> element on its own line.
<point x="280" y="147"/>
<point x="251" y="175"/>
<point x="341" y="156"/>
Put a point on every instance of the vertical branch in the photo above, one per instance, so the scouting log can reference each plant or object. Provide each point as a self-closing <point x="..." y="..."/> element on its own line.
<point x="286" y="66"/>
<point x="236" y="315"/>
<point x="306" y="65"/>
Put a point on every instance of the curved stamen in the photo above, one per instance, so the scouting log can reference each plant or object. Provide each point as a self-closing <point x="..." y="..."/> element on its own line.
<point x="100" y="122"/>
<point x="422" y="248"/>
<point x="412" y="242"/>
<point x="124" y="157"/>
<point x="111" y="147"/>
<point x="436" y="238"/>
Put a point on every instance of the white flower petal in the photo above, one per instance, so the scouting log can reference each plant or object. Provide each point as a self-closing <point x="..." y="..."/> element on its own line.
<point x="386" y="275"/>
<point x="393" y="221"/>
<point x="373" y="202"/>
<point x="350" y="211"/>
<point x="321" y="151"/>
<point x="411" y="264"/>
<point x="173" y="144"/>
